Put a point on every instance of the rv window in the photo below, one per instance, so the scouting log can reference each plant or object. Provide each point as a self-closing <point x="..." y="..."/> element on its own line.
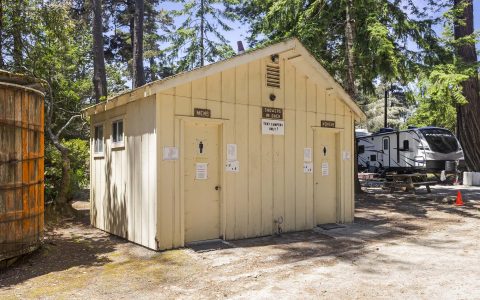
<point x="373" y="157"/>
<point x="361" y="149"/>
<point x="406" y="145"/>
<point x="440" y="140"/>
<point x="385" y="144"/>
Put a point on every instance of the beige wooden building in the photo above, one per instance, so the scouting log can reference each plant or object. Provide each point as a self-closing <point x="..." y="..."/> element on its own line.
<point x="246" y="147"/>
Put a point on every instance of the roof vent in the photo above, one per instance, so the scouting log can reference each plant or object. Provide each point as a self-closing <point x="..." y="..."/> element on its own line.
<point x="273" y="75"/>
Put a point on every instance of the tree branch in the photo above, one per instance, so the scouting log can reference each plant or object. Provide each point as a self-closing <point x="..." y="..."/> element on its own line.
<point x="66" y="125"/>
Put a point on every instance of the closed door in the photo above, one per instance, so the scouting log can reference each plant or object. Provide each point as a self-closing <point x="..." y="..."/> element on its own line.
<point x="202" y="184"/>
<point x="325" y="176"/>
<point x="386" y="152"/>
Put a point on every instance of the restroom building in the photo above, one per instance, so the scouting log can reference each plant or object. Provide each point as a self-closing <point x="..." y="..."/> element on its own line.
<point x="250" y="146"/>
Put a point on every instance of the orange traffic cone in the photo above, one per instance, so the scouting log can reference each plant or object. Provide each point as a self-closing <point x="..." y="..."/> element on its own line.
<point x="459" y="201"/>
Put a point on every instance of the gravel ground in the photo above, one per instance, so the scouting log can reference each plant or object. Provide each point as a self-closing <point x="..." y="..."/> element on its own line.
<point x="401" y="245"/>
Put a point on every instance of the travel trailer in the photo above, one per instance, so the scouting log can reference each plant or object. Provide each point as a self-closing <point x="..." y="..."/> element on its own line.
<point x="428" y="149"/>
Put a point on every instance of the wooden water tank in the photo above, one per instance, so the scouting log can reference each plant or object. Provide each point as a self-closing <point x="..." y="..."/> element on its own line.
<point x="21" y="165"/>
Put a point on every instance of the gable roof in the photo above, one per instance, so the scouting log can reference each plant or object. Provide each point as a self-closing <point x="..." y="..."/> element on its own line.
<point x="301" y="59"/>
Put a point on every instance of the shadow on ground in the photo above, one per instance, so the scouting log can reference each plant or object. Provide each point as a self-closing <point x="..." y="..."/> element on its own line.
<point x="69" y="243"/>
<point x="380" y="217"/>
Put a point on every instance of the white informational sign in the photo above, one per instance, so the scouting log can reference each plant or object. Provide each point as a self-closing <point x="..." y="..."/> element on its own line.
<point x="232" y="166"/>
<point x="273" y="127"/>
<point x="325" y="169"/>
<point x="346" y="155"/>
<point x="231" y="152"/>
<point x="308" y="168"/>
<point x="307" y="154"/>
<point x="201" y="171"/>
<point x="170" y="153"/>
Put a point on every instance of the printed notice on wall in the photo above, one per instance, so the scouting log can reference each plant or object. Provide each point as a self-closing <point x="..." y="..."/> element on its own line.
<point x="232" y="166"/>
<point x="325" y="169"/>
<point x="307" y="154"/>
<point x="201" y="171"/>
<point x="231" y="152"/>
<point x="170" y="153"/>
<point x="346" y="155"/>
<point x="273" y="127"/>
<point x="308" y="168"/>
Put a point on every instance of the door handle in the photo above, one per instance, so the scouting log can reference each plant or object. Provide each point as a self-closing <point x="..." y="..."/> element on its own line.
<point x="217" y="187"/>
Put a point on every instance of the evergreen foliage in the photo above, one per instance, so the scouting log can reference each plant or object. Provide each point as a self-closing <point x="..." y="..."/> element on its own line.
<point x="199" y="38"/>
<point x="382" y="29"/>
<point x="391" y="42"/>
<point x="399" y="110"/>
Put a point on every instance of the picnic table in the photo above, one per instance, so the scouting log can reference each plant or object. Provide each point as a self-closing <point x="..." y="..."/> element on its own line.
<point x="408" y="181"/>
<point x="367" y="176"/>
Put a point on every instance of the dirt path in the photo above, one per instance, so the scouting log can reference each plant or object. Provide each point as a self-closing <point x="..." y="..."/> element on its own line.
<point x="401" y="245"/>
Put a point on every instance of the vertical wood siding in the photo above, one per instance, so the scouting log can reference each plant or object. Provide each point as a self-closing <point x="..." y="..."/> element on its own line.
<point x="271" y="182"/>
<point x="138" y="195"/>
<point x="123" y="180"/>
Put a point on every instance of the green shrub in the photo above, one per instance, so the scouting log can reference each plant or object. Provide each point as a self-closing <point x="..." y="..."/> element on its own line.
<point x="79" y="168"/>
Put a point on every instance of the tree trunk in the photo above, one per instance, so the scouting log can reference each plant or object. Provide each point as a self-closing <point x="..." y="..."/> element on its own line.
<point x="131" y="28"/>
<point x="99" y="73"/>
<point x="62" y="197"/>
<point x="149" y="29"/>
<point x="202" y="33"/>
<point x="2" y="62"/>
<point x="153" y="69"/>
<point x="349" y="40"/>
<point x="138" y="71"/>
<point x="350" y="82"/>
<point x="468" y="124"/>
<point x="17" y="36"/>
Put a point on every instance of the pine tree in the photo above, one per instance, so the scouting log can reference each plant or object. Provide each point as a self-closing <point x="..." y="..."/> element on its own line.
<point x="119" y="50"/>
<point x="99" y="71"/>
<point x="468" y="123"/>
<point x="399" y="108"/>
<point x="448" y="89"/>
<point x="138" y="75"/>
<point x="199" y="40"/>
<point x="156" y="22"/>
<point x="369" y="34"/>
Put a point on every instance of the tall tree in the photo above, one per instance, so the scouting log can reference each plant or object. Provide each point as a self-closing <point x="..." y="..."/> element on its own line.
<point x="138" y="71"/>
<point x="399" y="108"/>
<point x="350" y="57"/>
<point x="2" y="61"/>
<point x="199" y="38"/>
<point x="348" y="33"/>
<point x="58" y="51"/>
<point x="19" y="9"/>
<point x="99" y="71"/>
<point x="468" y="124"/>
<point x="158" y="23"/>
<point x="121" y="37"/>
<point x="350" y="76"/>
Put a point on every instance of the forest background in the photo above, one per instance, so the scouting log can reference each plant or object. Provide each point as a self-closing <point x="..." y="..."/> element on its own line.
<point x="421" y="53"/>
